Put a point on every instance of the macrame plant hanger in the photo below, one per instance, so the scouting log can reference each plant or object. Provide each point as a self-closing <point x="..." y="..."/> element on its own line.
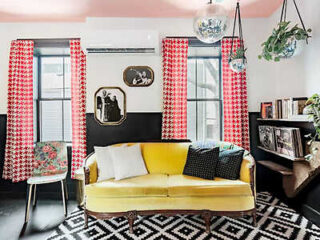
<point x="240" y="66"/>
<point x="237" y="15"/>
<point x="283" y="17"/>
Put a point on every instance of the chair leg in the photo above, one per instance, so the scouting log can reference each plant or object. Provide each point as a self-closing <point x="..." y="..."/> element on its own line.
<point x="64" y="198"/>
<point x="254" y="219"/>
<point x="131" y="216"/>
<point x="66" y="189"/>
<point x="85" y="219"/>
<point x="35" y="197"/>
<point x="206" y="215"/>
<point x="28" y="202"/>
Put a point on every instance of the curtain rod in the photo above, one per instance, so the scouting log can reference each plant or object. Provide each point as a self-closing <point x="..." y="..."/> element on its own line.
<point x="49" y="39"/>
<point x="192" y="37"/>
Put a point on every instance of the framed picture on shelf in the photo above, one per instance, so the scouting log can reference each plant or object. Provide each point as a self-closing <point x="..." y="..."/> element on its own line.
<point x="138" y="76"/>
<point x="266" y="110"/>
<point x="110" y="106"/>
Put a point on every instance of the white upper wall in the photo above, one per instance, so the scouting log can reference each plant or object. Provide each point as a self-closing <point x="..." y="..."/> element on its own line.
<point x="299" y="76"/>
<point x="266" y="80"/>
<point x="107" y="70"/>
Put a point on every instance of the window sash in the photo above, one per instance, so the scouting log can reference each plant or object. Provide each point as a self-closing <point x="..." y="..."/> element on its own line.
<point x="217" y="99"/>
<point x="39" y="99"/>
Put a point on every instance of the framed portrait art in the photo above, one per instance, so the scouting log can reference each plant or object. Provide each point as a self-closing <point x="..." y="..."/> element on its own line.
<point x="110" y="106"/>
<point x="138" y="76"/>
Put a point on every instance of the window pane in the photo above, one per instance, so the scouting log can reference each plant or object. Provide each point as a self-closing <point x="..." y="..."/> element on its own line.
<point x="191" y="121"/>
<point x="191" y="86"/>
<point x="67" y="121"/>
<point x="51" y="120"/>
<point x="67" y="77"/>
<point x="51" y="77"/>
<point x="208" y="78"/>
<point x="208" y="123"/>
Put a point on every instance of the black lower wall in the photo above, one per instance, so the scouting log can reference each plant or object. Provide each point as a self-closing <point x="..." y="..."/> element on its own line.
<point x="138" y="127"/>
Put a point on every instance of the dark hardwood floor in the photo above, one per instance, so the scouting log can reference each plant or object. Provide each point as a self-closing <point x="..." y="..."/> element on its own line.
<point x="47" y="215"/>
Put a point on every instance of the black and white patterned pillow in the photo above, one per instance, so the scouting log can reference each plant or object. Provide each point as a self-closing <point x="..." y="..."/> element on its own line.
<point x="229" y="164"/>
<point x="201" y="162"/>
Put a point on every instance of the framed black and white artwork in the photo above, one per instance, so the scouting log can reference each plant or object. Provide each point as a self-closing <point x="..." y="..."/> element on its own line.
<point x="138" y="76"/>
<point x="110" y="106"/>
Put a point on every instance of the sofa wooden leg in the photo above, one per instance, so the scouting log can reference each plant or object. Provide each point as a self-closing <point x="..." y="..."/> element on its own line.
<point x="131" y="216"/>
<point x="254" y="219"/>
<point x="206" y="215"/>
<point x="85" y="219"/>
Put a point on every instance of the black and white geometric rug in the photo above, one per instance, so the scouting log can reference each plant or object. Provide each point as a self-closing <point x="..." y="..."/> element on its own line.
<point x="275" y="221"/>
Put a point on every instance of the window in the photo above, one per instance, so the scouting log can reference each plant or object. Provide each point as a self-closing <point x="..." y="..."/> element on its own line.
<point x="52" y="98"/>
<point x="204" y="110"/>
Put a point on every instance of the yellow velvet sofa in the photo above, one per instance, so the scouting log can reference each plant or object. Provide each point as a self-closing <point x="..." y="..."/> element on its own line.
<point x="165" y="190"/>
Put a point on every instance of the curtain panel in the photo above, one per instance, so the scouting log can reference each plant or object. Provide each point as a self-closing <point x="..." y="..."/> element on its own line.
<point x="174" y="117"/>
<point x="19" y="158"/>
<point x="235" y="103"/>
<point x="78" y="105"/>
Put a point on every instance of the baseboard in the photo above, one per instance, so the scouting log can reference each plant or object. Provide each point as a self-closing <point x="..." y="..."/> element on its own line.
<point x="311" y="214"/>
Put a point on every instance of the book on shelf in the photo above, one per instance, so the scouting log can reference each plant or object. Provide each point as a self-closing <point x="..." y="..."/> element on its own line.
<point x="288" y="141"/>
<point x="266" y="109"/>
<point x="286" y="108"/>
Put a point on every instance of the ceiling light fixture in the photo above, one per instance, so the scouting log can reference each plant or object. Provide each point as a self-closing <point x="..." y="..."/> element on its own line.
<point x="211" y="23"/>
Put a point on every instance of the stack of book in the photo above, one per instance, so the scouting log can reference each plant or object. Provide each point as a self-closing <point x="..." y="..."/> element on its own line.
<point x="287" y="108"/>
<point x="284" y="140"/>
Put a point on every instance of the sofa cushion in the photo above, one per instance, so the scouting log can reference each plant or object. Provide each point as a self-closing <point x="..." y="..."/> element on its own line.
<point x="127" y="161"/>
<point x="187" y="186"/>
<point x="104" y="163"/>
<point x="201" y="162"/>
<point x="229" y="164"/>
<point x="141" y="186"/>
<point x="165" y="158"/>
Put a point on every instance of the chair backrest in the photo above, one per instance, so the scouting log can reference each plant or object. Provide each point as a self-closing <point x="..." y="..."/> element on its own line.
<point x="50" y="158"/>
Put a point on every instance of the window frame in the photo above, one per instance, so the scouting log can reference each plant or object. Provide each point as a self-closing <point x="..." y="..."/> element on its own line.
<point x="197" y="43"/>
<point x="39" y="98"/>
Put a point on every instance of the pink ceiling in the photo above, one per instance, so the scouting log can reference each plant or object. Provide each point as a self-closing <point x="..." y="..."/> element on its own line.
<point x="79" y="10"/>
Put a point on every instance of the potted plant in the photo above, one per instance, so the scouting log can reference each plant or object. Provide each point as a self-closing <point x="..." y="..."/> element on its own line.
<point x="284" y="42"/>
<point x="238" y="60"/>
<point x="313" y="110"/>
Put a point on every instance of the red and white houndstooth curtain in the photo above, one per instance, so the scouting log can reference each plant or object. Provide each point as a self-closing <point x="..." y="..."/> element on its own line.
<point x="235" y="103"/>
<point x="78" y="105"/>
<point x="18" y="163"/>
<point x="174" y="118"/>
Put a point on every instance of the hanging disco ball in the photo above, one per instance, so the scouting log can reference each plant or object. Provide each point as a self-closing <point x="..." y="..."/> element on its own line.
<point x="293" y="48"/>
<point x="238" y="64"/>
<point x="211" y="23"/>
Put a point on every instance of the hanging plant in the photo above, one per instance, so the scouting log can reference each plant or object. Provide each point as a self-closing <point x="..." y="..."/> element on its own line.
<point x="313" y="110"/>
<point x="239" y="54"/>
<point x="285" y="42"/>
<point x="237" y="59"/>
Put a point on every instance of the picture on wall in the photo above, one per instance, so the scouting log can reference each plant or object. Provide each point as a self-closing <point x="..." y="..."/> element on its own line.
<point x="138" y="76"/>
<point x="110" y="105"/>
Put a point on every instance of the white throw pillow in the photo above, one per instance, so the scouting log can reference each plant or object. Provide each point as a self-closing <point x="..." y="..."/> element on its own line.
<point x="104" y="163"/>
<point x="128" y="162"/>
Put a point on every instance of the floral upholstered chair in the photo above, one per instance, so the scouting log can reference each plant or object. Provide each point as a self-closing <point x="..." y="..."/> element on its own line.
<point x="50" y="165"/>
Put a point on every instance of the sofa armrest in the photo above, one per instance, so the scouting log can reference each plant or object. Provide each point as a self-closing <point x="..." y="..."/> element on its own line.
<point x="248" y="172"/>
<point x="86" y="171"/>
<point x="91" y="168"/>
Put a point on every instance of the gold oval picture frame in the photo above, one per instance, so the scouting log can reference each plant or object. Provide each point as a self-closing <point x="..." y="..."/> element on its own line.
<point x="110" y="106"/>
<point x="138" y="76"/>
